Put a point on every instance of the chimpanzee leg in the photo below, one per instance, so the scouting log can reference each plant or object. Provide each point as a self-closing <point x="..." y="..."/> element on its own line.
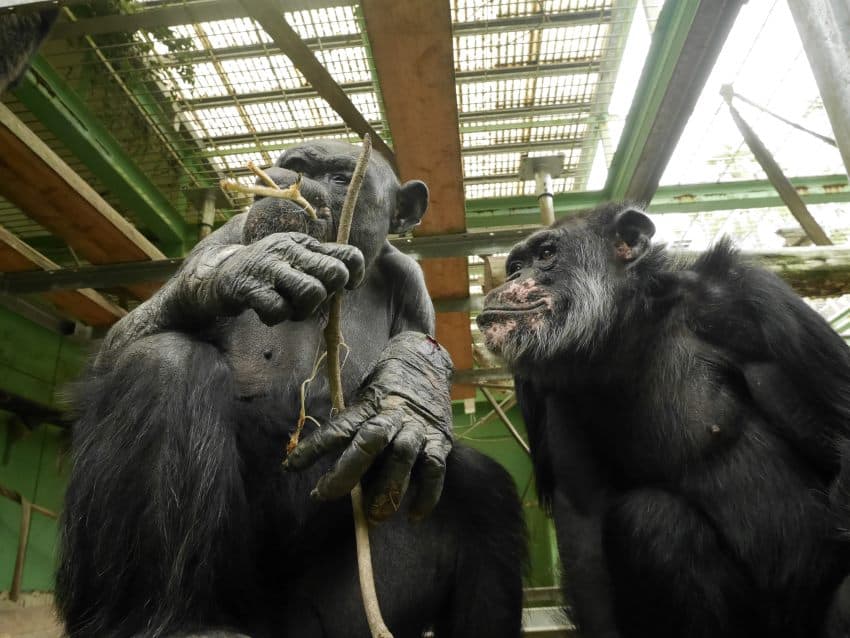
<point x="486" y="595"/>
<point x="460" y="567"/>
<point x="670" y="573"/>
<point x="152" y="535"/>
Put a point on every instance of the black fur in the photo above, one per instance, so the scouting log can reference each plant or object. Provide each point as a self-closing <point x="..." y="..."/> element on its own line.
<point x="20" y="36"/>
<point x="691" y="441"/>
<point x="178" y="515"/>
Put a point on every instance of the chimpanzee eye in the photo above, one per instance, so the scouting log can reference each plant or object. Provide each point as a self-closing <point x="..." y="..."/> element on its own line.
<point x="340" y="178"/>
<point x="546" y="252"/>
<point x="514" y="267"/>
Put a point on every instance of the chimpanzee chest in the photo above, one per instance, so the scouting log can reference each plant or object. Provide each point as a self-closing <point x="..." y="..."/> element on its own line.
<point x="270" y="363"/>
<point x="680" y="416"/>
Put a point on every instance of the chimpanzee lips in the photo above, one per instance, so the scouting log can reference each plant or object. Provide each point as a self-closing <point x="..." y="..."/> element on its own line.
<point x="493" y="313"/>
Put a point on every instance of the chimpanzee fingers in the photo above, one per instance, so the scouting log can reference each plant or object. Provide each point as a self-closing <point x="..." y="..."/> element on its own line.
<point x="432" y="473"/>
<point x="369" y="441"/>
<point x="332" y="271"/>
<point x="348" y="255"/>
<point x="302" y="291"/>
<point x="331" y="437"/>
<point x="385" y="492"/>
<point x="270" y="307"/>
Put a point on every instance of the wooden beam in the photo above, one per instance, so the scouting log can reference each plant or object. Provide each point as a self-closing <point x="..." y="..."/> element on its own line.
<point x="37" y="181"/>
<point x="86" y="305"/>
<point x="268" y="13"/>
<point x="412" y="47"/>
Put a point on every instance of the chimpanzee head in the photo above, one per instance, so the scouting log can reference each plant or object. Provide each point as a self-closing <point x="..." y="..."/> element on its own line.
<point x="563" y="285"/>
<point x="383" y="206"/>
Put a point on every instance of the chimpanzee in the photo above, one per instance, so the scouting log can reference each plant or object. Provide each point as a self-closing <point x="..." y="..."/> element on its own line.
<point x="179" y="516"/>
<point x="689" y="427"/>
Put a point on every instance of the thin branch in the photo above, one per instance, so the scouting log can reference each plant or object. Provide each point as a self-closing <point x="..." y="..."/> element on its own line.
<point x="332" y="340"/>
<point x="302" y="413"/>
<point x="259" y="172"/>
<point x="292" y="193"/>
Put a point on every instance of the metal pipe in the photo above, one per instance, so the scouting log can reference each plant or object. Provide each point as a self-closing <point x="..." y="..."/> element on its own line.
<point x="207" y="213"/>
<point x="545" y="198"/>
<point x="504" y="417"/>
<point x="774" y="173"/>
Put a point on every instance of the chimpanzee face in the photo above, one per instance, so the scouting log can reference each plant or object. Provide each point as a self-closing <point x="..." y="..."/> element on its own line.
<point x="326" y="167"/>
<point x="562" y="286"/>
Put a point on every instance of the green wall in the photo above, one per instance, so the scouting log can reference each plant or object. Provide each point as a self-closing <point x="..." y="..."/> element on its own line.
<point x="33" y="463"/>
<point x="493" y="439"/>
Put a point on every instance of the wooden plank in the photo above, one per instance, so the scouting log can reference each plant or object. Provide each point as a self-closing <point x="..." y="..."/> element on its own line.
<point x="452" y="331"/>
<point x="412" y="47"/>
<point x="86" y="305"/>
<point x="449" y="277"/>
<point x="35" y="179"/>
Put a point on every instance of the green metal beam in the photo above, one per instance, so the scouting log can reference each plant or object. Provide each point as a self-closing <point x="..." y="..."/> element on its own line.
<point x="62" y="111"/>
<point x="684" y="198"/>
<point x="687" y="39"/>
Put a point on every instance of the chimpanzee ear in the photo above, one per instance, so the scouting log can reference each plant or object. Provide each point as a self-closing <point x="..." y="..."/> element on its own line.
<point x="634" y="230"/>
<point x="411" y="202"/>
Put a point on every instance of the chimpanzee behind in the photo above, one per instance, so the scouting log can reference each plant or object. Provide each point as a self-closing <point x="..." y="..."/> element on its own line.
<point x="178" y="516"/>
<point x="689" y="428"/>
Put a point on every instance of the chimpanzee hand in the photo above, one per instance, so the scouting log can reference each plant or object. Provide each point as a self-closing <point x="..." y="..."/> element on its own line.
<point x="281" y="276"/>
<point x="404" y="408"/>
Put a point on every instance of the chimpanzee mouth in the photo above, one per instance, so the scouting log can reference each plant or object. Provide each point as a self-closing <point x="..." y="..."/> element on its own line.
<point x="519" y="308"/>
<point x="492" y="314"/>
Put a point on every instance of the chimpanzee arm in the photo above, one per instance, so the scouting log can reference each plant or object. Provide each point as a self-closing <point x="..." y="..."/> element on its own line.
<point x="281" y="276"/>
<point x="403" y="409"/>
<point x="793" y="364"/>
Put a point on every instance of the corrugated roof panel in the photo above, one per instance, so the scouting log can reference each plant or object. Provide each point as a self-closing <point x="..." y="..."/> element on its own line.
<point x="493" y="94"/>
<point x="486" y="51"/>
<point x="346" y="64"/>
<point x="573" y="43"/>
<point x="321" y="23"/>
<point x="221" y="121"/>
<point x="491" y="164"/>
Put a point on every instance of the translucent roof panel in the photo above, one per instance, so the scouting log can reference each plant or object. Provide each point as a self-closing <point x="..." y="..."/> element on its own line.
<point x="477" y="11"/>
<point x="485" y="51"/>
<point x="346" y="64"/>
<point x="323" y="23"/>
<point x="255" y="75"/>
<point x="571" y="44"/>
<point x="491" y="164"/>
<point x="764" y="61"/>
<point x="493" y="95"/>
<point x="218" y="122"/>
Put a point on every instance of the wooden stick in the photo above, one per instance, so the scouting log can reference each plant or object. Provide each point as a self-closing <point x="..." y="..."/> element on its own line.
<point x="292" y="193"/>
<point x="259" y="172"/>
<point x="332" y="343"/>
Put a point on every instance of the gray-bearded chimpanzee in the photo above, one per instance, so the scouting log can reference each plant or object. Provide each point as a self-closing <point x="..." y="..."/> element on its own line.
<point x="178" y="515"/>
<point x="689" y="426"/>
